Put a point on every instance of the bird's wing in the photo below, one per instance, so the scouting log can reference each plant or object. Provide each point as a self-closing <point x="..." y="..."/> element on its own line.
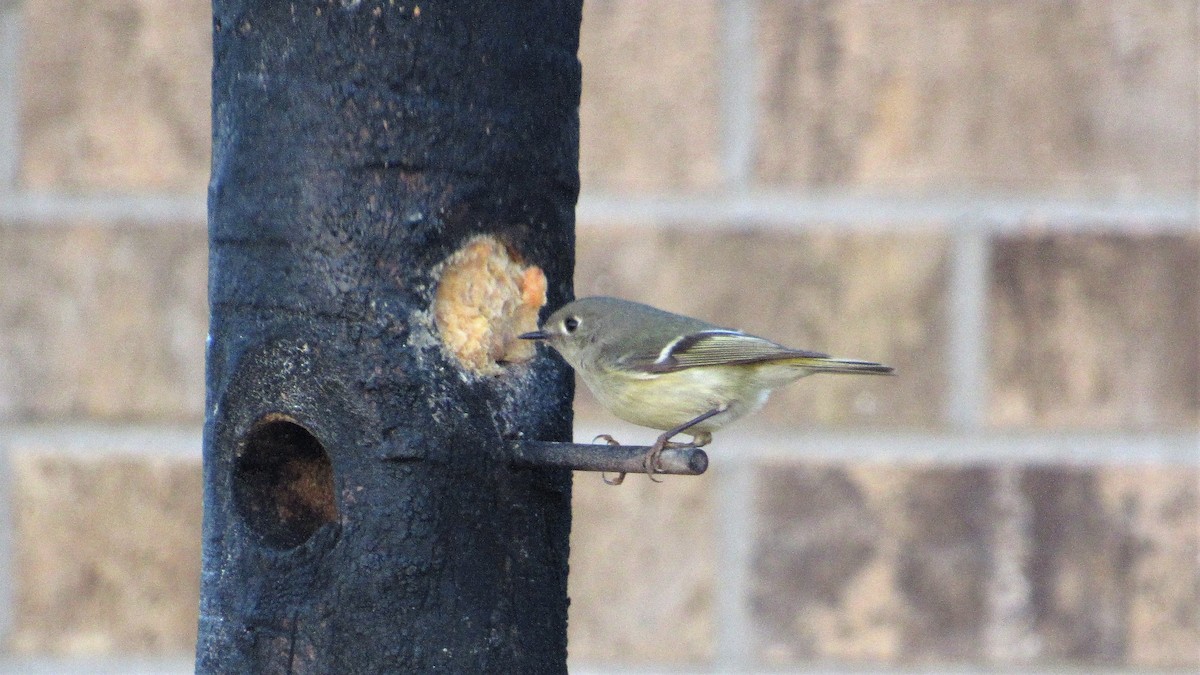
<point x="714" y="347"/>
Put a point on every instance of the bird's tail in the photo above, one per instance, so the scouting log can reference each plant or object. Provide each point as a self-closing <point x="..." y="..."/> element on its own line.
<point x="829" y="364"/>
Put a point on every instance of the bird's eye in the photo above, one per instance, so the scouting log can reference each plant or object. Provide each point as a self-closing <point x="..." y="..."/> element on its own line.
<point x="570" y="324"/>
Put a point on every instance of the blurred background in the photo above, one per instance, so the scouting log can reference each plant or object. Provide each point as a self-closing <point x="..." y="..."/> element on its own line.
<point x="1000" y="199"/>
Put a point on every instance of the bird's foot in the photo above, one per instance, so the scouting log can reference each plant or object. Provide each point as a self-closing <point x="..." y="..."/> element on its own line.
<point x="604" y="476"/>
<point x="651" y="461"/>
<point x="699" y="438"/>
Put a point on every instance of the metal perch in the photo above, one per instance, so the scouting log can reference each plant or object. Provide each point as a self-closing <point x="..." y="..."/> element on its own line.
<point x="685" y="461"/>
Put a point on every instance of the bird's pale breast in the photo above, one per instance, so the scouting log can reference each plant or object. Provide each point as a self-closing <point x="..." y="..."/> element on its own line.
<point x="666" y="400"/>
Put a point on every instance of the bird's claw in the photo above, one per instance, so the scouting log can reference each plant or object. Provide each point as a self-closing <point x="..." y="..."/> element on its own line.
<point x="615" y="481"/>
<point x="607" y="439"/>
<point x="603" y="475"/>
<point x="650" y="463"/>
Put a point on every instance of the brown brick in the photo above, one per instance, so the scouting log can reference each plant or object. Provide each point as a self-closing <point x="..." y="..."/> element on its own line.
<point x="875" y="297"/>
<point x="102" y="322"/>
<point x="643" y="568"/>
<point x="115" y="95"/>
<point x="870" y="564"/>
<point x="1095" y="331"/>
<point x="1113" y="566"/>
<point x="879" y="565"/>
<point x="1158" y="510"/>
<point x="649" y="116"/>
<point x="107" y="553"/>
<point x="1084" y="95"/>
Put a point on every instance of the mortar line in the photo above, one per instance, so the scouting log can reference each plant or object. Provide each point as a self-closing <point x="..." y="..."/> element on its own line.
<point x="57" y="210"/>
<point x="731" y="596"/>
<point x="8" y="569"/>
<point x="131" y="664"/>
<point x="955" y="449"/>
<point x="1196" y="115"/>
<point x="1009" y="635"/>
<point x="858" y="212"/>
<point x="787" y="212"/>
<point x="100" y="441"/>
<point x="10" y="60"/>
<point x="742" y="443"/>
<point x="966" y="357"/>
<point x="738" y="103"/>
<point x="181" y="664"/>
<point x="745" y="443"/>
<point x="10" y="47"/>
<point x="734" y="492"/>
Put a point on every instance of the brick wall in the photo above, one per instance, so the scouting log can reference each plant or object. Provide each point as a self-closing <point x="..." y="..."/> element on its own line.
<point x="1000" y="199"/>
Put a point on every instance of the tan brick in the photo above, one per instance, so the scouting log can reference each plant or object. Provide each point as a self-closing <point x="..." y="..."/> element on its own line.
<point x="875" y="297"/>
<point x="649" y="115"/>
<point x="643" y="569"/>
<point x="1159" y="509"/>
<point x="1097" y="331"/>
<point x="870" y="564"/>
<point x="1079" y="96"/>
<point x="102" y="322"/>
<point x="875" y="565"/>
<point x="1113" y="567"/>
<point x="115" y="95"/>
<point x="107" y="553"/>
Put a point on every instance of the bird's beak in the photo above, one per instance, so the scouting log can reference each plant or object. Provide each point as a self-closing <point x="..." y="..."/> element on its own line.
<point x="534" y="335"/>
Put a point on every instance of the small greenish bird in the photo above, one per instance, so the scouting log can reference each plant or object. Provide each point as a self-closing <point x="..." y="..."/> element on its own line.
<point x="672" y="372"/>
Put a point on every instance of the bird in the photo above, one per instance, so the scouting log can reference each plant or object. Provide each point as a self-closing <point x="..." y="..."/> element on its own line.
<point x="673" y="372"/>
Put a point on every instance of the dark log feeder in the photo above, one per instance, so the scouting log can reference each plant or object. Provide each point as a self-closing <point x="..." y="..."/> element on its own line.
<point x="362" y="508"/>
